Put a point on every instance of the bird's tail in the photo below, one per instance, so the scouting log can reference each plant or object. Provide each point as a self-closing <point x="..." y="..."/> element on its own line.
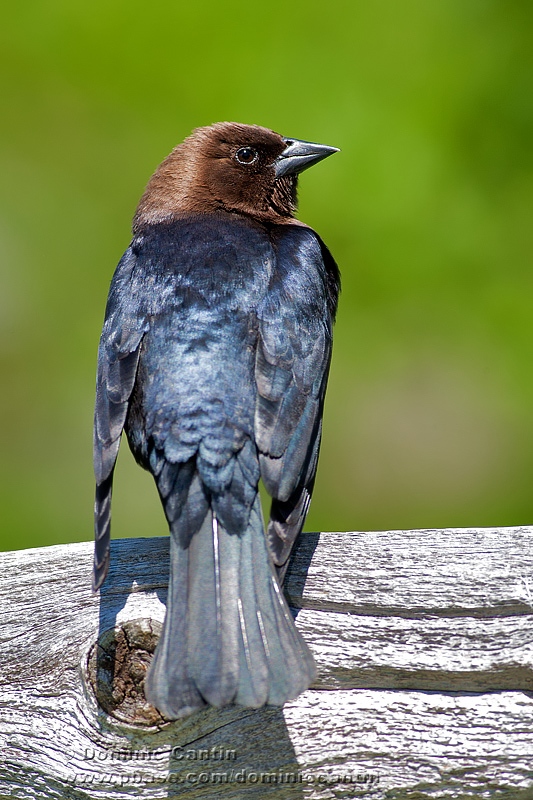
<point x="228" y="636"/>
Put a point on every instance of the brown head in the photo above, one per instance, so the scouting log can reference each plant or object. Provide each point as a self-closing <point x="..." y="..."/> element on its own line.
<point x="229" y="167"/>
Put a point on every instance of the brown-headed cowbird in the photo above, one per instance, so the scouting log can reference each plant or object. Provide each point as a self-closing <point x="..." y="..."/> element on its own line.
<point x="214" y="358"/>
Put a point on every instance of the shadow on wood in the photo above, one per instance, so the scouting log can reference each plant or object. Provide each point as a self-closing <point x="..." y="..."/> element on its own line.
<point x="200" y="757"/>
<point x="388" y="615"/>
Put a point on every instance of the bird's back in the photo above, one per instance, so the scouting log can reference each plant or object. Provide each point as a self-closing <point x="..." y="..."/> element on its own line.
<point x="195" y="389"/>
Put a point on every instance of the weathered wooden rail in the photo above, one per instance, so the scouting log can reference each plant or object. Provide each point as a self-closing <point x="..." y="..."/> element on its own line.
<point x="424" y="646"/>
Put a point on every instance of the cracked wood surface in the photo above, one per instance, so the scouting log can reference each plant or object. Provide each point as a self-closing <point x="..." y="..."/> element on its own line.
<point x="424" y="647"/>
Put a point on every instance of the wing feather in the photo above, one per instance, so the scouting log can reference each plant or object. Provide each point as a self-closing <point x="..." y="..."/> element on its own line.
<point x="291" y="369"/>
<point x="118" y="359"/>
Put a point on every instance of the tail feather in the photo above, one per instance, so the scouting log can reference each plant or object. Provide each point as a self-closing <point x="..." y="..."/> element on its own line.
<point x="213" y="612"/>
<point x="102" y="528"/>
<point x="228" y="635"/>
<point x="168" y="685"/>
<point x="253" y="685"/>
<point x="291" y="665"/>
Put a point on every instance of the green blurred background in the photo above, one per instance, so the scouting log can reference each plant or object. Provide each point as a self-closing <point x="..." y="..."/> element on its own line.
<point x="429" y="418"/>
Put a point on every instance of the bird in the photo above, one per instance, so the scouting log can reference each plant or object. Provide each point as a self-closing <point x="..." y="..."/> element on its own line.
<point x="214" y="359"/>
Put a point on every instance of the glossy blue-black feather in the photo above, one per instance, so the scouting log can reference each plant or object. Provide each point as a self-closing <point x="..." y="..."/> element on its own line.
<point x="214" y="359"/>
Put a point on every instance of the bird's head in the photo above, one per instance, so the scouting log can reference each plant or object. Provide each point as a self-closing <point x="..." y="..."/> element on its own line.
<point x="229" y="167"/>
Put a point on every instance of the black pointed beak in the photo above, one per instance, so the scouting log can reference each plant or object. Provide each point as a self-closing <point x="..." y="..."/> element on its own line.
<point x="299" y="155"/>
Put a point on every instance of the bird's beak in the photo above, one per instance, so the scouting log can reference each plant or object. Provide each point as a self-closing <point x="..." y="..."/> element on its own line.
<point x="299" y="155"/>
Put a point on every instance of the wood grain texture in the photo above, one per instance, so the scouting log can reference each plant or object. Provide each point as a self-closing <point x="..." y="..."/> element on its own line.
<point x="485" y="572"/>
<point x="424" y="645"/>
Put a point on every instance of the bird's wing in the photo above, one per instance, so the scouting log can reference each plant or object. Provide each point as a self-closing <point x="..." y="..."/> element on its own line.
<point x="118" y="357"/>
<point x="292" y="364"/>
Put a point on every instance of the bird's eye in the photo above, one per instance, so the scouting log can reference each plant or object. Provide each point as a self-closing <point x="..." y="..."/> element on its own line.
<point x="246" y="155"/>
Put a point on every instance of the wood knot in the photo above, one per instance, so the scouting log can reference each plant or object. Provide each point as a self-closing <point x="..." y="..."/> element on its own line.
<point x="117" y="665"/>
